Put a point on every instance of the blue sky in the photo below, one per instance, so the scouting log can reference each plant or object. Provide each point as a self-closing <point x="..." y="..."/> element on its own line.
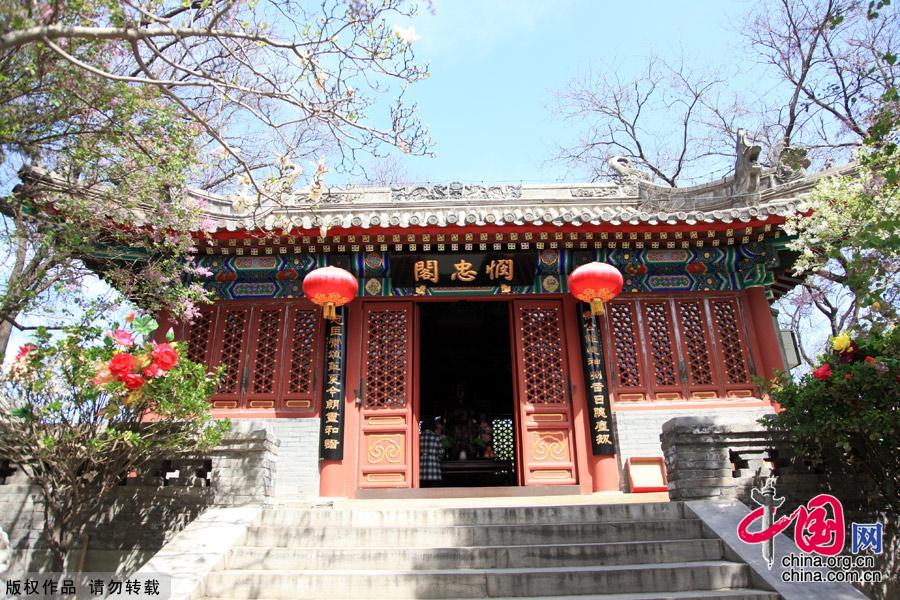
<point x="495" y="64"/>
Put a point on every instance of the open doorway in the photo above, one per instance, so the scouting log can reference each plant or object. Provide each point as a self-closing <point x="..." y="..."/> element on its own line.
<point x="466" y="395"/>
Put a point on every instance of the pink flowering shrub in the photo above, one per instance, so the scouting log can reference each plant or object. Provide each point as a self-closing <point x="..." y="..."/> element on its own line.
<point x="80" y="411"/>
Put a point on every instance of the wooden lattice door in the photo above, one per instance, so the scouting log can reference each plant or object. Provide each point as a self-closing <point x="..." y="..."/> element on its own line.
<point x="388" y="434"/>
<point x="270" y="352"/>
<point x="230" y="350"/>
<point x="544" y="399"/>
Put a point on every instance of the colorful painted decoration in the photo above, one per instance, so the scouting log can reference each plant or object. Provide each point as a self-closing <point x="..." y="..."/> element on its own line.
<point x="596" y="283"/>
<point x="330" y="287"/>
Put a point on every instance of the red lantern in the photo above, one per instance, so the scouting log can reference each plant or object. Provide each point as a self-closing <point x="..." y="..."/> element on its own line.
<point x="330" y="287"/>
<point x="596" y="283"/>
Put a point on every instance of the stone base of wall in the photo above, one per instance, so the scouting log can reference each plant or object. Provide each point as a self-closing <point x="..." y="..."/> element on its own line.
<point x="638" y="431"/>
<point x="150" y="509"/>
<point x="297" y="463"/>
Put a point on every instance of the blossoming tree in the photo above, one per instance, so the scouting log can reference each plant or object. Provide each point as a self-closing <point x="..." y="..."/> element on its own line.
<point x="81" y="410"/>
<point x="110" y="110"/>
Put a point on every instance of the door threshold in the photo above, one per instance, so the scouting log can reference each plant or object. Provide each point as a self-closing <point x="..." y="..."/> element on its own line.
<point x="506" y="491"/>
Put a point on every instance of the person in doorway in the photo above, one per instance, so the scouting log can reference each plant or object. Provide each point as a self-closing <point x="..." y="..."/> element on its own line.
<point x="431" y="450"/>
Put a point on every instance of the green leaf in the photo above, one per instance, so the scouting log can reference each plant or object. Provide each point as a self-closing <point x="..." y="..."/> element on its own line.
<point x="22" y="412"/>
<point x="170" y="335"/>
<point x="144" y="325"/>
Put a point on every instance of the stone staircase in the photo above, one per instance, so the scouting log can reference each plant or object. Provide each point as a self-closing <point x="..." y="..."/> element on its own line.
<point x="623" y="551"/>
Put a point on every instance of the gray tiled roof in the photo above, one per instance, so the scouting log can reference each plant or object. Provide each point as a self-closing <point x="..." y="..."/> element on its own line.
<point x="626" y="201"/>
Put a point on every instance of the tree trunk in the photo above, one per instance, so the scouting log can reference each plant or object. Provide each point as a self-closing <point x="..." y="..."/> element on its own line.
<point x="58" y="564"/>
<point x="5" y="332"/>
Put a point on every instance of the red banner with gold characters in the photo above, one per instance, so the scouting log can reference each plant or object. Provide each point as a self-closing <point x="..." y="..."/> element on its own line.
<point x="332" y="421"/>
<point x="599" y="416"/>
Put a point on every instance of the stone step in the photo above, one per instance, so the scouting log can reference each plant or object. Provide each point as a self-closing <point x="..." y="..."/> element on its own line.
<point x="472" y="535"/>
<point x="738" y="594"/>
<point x="477" y="583"/>
<point x="360" y="517"/>
<point x="548" y="555"/>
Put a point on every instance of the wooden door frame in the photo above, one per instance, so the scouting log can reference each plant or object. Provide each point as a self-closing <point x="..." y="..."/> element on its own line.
<point x="574" y="447"/>
<point x="406" y="413"/>
<point x="576" y="395"/>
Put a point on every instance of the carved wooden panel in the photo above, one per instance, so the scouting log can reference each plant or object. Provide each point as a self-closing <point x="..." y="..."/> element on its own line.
<point x="270" y="350"/>
<point x="623" y="325"/>
<point x="731" y="344"/>
<point x="542" y="355"/>
<point x="545" y="411"/>
<point x="232" y="328"/>
<point x="696" y="343"/>
<point x="266" y="350"/>
<point x="661" y="339"/>
<point x="387" y="358"/>
<point x="388" y="432"/>
<point x="386" y="449"/>
<point x="200" y="337"/>
<point x="303" y="347"/>
<point x="550" y="446"/>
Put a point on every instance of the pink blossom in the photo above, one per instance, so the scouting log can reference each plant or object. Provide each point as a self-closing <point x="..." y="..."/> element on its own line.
<point x="199" y="270"/>
<point x="208" y="224"/>
<point x="164" y="356"/>
<point x="122" y="338"/>
<point x="102" y="377"/>
<point x="153" y="371"/>
<point x="189" y="311"/>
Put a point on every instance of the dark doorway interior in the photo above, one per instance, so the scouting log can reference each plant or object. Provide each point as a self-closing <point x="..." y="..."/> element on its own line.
<point x="466" y="386"/>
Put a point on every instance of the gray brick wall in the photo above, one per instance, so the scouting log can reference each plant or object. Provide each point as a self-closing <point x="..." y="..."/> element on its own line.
<point x="297" y="464"/>
<point x="638" y="431"/>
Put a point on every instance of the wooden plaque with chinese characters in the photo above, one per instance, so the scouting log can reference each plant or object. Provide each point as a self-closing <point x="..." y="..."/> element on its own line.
<point x="464" y="269"/>
<point x="545" y="417"/>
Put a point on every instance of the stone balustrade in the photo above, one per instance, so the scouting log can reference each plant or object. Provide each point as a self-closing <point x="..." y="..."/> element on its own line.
<point x="724" y="457"/>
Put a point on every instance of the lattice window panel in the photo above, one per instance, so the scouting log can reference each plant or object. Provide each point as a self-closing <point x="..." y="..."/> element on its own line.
<point x="692" y="327"/>
<point x="733" y="352"/>
<point x="542" y="356"/>
<point x="266" y="356"/>
<point x="387" y="359"/>
<point x="198" y="339"/>
<point x="624" y="325"/>
<point x="232" y="348"/>
<point x="504" y="448"/>
<point x="303" y="352"/>
<point x="658" y="320"/>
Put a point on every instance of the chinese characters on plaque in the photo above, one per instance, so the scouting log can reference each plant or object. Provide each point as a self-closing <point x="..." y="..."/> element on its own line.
<point x="595" y="383"/>
<point x="332" y="422"/>
<point x="463" y="269"/>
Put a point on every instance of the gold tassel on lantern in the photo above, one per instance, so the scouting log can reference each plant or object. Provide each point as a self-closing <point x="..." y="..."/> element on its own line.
<point x="597" y="307"/>
<point x="330" y="312"/>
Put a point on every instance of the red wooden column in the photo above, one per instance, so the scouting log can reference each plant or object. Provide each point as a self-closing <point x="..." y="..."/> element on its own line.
<point x="764" y="332"/>
<point x="595" y="473"/>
